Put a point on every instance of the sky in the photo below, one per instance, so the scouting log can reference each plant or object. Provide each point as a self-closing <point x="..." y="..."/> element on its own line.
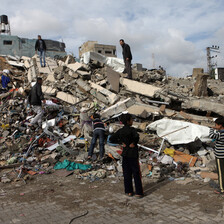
<point x="173" y="34"/>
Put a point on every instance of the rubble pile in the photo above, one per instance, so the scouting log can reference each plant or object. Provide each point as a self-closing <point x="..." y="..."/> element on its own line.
<point x="172" y="116"/>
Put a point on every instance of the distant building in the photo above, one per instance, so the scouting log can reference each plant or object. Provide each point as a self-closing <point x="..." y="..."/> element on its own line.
<point x="16" y="46"/>
<point x="93" y="46"/>
<point x="219" y="74"/>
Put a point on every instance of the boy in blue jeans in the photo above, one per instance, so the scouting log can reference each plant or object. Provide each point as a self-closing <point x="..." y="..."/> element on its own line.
<point x="98" y="132"/>
<point x="218" y="135"/>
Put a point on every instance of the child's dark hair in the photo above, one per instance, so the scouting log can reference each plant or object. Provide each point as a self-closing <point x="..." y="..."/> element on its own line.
<point x="219" y="121"/>
<point x="96" y="115"/>
<point x="125" y="118"/>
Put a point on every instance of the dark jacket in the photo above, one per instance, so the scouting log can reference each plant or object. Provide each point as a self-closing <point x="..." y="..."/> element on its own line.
<point x="36" y="95"/>
<point x="127" y="135"/>
<point x="37" y="45"/>
<point x="126" y="52"/>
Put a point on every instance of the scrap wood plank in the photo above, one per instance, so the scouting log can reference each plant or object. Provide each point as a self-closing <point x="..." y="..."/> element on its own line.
<point x="184" y="158"/>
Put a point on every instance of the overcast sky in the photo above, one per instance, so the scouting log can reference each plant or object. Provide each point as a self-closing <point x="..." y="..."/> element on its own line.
<point x="177" y="32"/>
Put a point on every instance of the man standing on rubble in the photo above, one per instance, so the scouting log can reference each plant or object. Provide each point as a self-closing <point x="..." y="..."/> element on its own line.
<point x="35" y="99"/>
<point x="127" y="57"/>
<point x="41" y="47"/>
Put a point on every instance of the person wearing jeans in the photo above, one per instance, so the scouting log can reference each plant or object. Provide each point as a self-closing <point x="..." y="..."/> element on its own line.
<point x="42" y="56"/>
<point x="41" y="47"/>
<point x="98" y="132"/>
<point x="35" y="100"/>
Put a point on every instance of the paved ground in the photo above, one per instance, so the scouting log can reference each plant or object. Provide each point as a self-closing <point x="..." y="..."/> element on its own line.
<point x="56" y="200"/>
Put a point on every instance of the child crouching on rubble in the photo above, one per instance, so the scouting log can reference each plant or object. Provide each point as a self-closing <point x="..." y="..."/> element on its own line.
<point x="128" y="137"/>
<point x="98" y="132"/>
<point x="218" y="135"/>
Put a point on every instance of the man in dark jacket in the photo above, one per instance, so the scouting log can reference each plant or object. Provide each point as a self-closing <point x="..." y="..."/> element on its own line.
<point x="35" y="99"/>
<point x="41" y="47"/>
<point x="127" y="57"/>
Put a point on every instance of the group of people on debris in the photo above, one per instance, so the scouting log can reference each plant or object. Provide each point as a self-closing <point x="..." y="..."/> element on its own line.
<point x="40" y="46"/>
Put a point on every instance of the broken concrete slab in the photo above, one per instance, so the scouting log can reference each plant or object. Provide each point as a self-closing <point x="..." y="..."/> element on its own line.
<point x="139" y="109"/>
<point x="74" y="66"/>
<point x="140" y="88"/>
<point x="67" y="97"/>
<point x="83" y="84"/>
<point x="113" y="78"/>
<point x="200" y="86"/>
<point x="50" y="77"/>
<point x="111" y="97"/>
<point x="49" y="90"/>
<point x="204" y="105"/>
<point x="197" y="71"/>
<point x="117" y="108"/>
<point x="84" y="74"/>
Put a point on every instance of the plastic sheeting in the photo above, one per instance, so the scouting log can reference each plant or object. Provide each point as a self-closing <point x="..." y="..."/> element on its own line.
<point x="183" y="136"/>
<point x="117" y="64"/>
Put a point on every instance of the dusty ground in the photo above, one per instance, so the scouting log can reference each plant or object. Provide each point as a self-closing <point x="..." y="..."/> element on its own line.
<point x="65" y="190"/>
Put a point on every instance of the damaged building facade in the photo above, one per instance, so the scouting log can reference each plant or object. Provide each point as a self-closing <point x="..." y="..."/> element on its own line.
<point x="93" y="46"/>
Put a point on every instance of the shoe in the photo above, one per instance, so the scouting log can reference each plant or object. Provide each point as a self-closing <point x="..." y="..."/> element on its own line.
<point x="218" y="191"/>
<point x="129" y="194"/>
<point x="89" y="158"/>
<point x="139" y="196"/>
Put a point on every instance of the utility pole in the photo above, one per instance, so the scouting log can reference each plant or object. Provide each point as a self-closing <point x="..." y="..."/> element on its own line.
<point x="210" y="66"/>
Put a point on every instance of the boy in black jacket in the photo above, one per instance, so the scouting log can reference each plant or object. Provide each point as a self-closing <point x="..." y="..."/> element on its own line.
<point x="129" y="138"/>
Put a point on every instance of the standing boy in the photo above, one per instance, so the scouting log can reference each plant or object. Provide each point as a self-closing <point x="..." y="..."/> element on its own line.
<point x="98" y="132"/>
<point x="218" y="135"/>
<point x="128" y="137"/>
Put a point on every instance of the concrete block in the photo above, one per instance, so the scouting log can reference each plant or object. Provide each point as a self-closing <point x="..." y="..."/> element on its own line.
<point x="84" y="74"/>
<point x="200" y="86"/>
<point x="113" y="78"/>
<point x="204" y="105"/>
<point x="50" y="77"/>
<point x="197" y="71"/>
<point x="74" y="66"/>
<point x="48" y="90"/>
<point x="83" y="84"/>
<point x="67" y="97"/>
<point x="140" y="88"/>
<point x="111" y="97"/>
<point x="117" y="108"/>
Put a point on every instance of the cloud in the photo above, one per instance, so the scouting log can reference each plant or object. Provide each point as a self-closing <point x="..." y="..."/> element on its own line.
<point x="30" y="22"/>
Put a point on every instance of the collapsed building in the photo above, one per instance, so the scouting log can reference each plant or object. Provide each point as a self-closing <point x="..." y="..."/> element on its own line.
<point x="172" y="116"/>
